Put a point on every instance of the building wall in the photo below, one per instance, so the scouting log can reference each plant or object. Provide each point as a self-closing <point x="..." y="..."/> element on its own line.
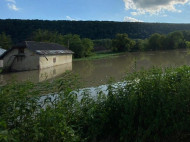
<point x="54" y="60"/>
<point x="29" y="62"/>
<point x="1" y="63"/>
<point x="9" y="57"/>
<point x="52" y="72"/>
<point x="36" y="75"/>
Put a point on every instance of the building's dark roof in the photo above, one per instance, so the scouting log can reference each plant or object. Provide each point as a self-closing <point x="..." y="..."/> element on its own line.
<point x="42" y="48"/>
<point x="47" y="48"/>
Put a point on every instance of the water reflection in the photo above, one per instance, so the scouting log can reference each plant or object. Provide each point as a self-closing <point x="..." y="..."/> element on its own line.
<point x="97" y="72"/>
<point x="36" y="75"/>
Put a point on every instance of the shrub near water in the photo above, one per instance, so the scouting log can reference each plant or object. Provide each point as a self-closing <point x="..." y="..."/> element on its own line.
<point x="153" y="106"/>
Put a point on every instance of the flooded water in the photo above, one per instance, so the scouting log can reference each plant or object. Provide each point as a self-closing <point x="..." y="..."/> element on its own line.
<point x="98" y="72"/>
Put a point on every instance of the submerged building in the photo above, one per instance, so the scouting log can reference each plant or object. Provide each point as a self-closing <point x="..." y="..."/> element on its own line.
<point x="31" y="55"/>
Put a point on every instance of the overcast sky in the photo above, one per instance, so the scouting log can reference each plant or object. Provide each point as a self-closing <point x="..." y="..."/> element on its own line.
<point x="167" y="11"/>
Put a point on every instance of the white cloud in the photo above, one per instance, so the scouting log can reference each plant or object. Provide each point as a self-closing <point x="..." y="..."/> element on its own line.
<point x="12" y="1"/>
<point x="69" y="18"/>
<point x="12" y="7"/>
<point x="153" y="6"/>
<point x="131" y="19"/>
<point x="134" y="13"/>
<point x="165" y="15"/>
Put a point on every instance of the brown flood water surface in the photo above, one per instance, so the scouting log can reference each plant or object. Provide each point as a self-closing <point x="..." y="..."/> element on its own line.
<point x="98" y="72"/>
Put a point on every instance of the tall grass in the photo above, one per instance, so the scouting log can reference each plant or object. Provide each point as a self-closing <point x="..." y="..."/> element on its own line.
<point x="154" y="105"/>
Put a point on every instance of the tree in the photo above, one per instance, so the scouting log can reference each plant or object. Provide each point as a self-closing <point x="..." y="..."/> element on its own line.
<point x="187" y="44"/>
<point x="141" y="45"/>
<point x="74" y="43"/>
<point x="47" y="36"/>
<point x="88" y="46"/>
<point x="5" y="41"/>
<point x="122" y="43"/>
<point x="102" y="44"/>
<point x="175" y="40"/>
<point x="156" y="42"/>
<point x="81" y="47"/>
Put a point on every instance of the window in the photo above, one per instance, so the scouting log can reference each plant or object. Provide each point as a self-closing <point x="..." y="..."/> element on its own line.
<point x="54" y="60"/>
<point x="21" y="51"/>
<point x="19" y="58"/>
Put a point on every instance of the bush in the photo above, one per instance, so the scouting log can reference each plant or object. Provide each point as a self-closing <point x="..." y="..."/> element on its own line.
<point x="153" y="105"/>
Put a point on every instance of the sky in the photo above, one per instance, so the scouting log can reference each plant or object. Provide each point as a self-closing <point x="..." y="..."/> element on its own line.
<point x="156" y="11"/>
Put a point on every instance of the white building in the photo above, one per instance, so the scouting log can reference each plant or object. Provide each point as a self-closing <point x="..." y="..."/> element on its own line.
<point x="31" y="55"/>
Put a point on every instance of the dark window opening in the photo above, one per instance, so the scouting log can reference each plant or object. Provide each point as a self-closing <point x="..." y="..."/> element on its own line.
<point x="21" y="51"/>
<point x="54" y="60"/>
<point x="19" y="58"/>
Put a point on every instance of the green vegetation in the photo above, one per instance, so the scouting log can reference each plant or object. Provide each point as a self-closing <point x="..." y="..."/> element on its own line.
<point x="47" y="36"/>
<point x="80" y="47"/>
<point x="122" y="43"/>
<point x="174" y="40"/>
<point x="21" y="30"/>
<point x="84" y="37"/>
<point x="102" y="44"/>
<point x="187" y="44"/>
<point x="5" y="41"/>
<point x="153" y="105"/>
<point x="100" y="56"/>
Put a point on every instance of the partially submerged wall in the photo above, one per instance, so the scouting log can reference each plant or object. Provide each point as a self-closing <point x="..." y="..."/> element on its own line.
<point x="1" y="63"/>
<point x="54" y="60"/>
<point x="30" y="60"/>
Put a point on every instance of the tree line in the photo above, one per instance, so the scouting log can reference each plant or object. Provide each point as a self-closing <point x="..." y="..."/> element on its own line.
<point x="122" y="42"/>
<point x="84" y="47"/>
<point x="21" y="30"/>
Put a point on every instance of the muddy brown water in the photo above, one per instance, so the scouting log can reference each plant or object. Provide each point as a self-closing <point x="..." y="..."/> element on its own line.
<point x="98" y="72"/>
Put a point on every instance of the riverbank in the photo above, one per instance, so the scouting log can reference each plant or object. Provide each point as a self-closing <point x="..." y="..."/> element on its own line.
<point x="152" y="106"/>
<point x="100" y="55"/>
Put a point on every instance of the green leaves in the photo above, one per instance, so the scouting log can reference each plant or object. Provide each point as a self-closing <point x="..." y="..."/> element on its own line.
<point x="5" y="41"/>
<point x="80" y="47"/>
<point x="47" y="36"/>
<point x="152" y="105"/>
<point x="122" y="43"/>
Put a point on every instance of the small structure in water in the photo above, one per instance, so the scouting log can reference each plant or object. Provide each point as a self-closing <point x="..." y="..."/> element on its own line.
<point x="31" y="55"/>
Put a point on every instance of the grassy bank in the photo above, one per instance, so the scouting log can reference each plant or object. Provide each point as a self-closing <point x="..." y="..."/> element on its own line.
<point x="102" y="55"/>
<point x="153" y="106"/>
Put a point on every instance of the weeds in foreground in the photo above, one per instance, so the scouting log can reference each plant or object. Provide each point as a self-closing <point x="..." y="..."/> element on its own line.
<point x="154" y="105"/>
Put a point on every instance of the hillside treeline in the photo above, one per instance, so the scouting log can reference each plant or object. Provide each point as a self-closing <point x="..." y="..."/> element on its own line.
<point x="20" y="30"/>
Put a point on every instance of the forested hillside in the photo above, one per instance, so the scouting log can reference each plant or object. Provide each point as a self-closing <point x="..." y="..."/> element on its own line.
<point x="20" y="30"/>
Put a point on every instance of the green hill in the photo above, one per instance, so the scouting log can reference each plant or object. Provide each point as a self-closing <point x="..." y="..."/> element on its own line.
<point x="20" y="30"/>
